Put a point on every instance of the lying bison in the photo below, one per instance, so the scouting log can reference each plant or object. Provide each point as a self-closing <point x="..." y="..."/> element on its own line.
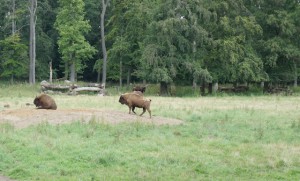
<point x="135" y="99"/>
<point x="44" y="101"/>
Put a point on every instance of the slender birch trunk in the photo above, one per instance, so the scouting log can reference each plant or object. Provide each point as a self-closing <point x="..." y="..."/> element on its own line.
<point x="121" y="71"/>
<point x="32" y="50"/>
<point x="104" y="6"/>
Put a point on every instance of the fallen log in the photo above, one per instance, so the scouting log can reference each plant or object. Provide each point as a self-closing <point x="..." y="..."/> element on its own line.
<point x="71" y="89"/>
<point x="46" y="86"/>
<point x="79" y="89"/>
<point x="64" y="88"/>
<point x="280" y="90"/>
<point x="95" y="85"/>
<point x="226" y="89"/>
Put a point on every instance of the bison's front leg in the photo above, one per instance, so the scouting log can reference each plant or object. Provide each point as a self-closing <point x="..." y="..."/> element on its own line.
<point x="133" y="110"/>
<point x="129" y="109"/>
<point x="144" y="110"/>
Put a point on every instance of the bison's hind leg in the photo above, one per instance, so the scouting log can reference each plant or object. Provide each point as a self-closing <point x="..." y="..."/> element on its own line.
<point x="149" y="111"/>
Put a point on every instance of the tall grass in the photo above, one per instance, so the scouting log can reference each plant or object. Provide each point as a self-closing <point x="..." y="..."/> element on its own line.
<point x="222" y="138"/>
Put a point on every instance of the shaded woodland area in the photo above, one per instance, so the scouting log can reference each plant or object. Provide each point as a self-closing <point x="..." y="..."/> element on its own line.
<point x="194" y="42"/>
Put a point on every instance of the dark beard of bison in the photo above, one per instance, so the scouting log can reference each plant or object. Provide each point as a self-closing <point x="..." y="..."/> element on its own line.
<point x="122" y="100"/>
<point x="37" y="102"/>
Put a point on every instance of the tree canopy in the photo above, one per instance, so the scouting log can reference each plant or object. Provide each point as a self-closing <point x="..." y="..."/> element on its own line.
<point x="159" y="41"/>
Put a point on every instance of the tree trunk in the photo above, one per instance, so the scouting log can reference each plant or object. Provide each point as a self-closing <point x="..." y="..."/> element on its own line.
<point x="295" y="74"/>
<point x="215" y="87"/>
<point x="12" y="79"/>
<point x="262" y="85"/>
<point x="128" y="76"/>
<point x="202" y="88"/>
<point x="72" y="72"/>
<point x="164" y="91"/>
<point x="194" y="84"/>
<point x="51" y="72"/>
<point x="104" y="6"/>
<point x="99" y="75"/>
<point x="66" y="71"/>
<point x="13" y="23"/>
<point x="32" y="50"/>
<point x="121" y="68"/>
<point x="266" y="86"/>
<point x="210" y="88"/>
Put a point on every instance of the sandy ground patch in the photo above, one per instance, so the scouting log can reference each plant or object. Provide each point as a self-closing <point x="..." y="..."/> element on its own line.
<point x="26" y="116"/>
<point x="2" y="178"/>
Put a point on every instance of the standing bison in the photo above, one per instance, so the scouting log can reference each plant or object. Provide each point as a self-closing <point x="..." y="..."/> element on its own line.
<point x="44" y="101"/>
<point x="135" y="99"/>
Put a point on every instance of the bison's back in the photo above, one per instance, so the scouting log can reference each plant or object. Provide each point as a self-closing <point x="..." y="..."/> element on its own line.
<point x="139" y="101"/>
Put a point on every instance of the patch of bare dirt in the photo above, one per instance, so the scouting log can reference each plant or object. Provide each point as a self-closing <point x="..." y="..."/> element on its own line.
<point x="2" y="178"/>
<point x="24" y="117"/>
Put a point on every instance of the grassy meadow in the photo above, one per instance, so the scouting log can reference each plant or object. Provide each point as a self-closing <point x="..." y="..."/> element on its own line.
<point x="222" y="138"/>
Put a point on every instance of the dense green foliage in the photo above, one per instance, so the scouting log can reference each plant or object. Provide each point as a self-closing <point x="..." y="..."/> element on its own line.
<point x="14" y="62"/>
<point x="164" y="41"/>
<point x="72" y="45"/>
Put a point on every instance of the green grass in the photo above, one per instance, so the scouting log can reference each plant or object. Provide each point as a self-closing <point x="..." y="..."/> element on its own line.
<point x="222" y="138"/>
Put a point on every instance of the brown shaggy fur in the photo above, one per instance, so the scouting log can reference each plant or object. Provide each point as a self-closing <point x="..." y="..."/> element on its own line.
<point x="138" y="92"/>
<point x="44" y="101"/>
<point x="133" y="100"/>
<point x="139" y="88"/>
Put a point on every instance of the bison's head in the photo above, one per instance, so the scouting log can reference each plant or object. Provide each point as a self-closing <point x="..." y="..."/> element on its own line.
<point x="37" y="101"/>
<point x="122" y="99"/>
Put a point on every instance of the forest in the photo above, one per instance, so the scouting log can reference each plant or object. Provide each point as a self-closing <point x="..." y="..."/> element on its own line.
<point x="181" y="42"/>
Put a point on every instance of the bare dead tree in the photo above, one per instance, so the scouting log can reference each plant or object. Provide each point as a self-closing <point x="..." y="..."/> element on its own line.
<point x="32" y="50"/>
<point x="13" y="23"/>
<point x="104" y="6"/>
<point x="121" y="70"/>
<point x="51" y="72"/>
